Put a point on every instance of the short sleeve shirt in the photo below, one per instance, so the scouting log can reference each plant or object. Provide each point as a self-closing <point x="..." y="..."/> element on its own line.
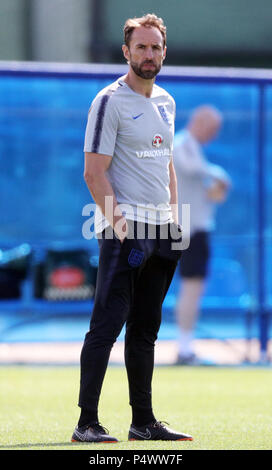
<point x="137" y="132"/>
<point x="194" y="175"/>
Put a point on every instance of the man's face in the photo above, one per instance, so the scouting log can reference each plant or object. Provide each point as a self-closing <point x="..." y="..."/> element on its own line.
<point x="146" y="52"/>
<point x="209" y="129"/>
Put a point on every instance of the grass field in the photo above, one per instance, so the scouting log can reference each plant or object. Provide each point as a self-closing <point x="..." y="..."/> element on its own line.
<point x="223" y="408"/>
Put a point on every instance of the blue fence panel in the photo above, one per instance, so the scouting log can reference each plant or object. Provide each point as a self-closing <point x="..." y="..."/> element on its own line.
<point x="268" y="198"/>
<point x="42" y="123"/>
<point x="235" y="148"/>
<point x="41" y="165"/>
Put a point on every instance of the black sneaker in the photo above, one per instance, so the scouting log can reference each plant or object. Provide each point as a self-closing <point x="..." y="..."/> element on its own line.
<point x="156" y="432"/>
<point x="92" y="433"/>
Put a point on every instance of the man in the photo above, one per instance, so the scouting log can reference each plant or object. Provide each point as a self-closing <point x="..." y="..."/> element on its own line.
<point x="128" y="164"/>
<point x="202" y="185"/>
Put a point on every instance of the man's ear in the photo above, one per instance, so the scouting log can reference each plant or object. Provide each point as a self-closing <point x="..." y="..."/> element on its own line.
<point x="164" y="53"/>
<point x="125" y="50"/>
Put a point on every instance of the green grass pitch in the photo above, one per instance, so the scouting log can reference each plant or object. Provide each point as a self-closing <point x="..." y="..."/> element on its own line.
<point x="223" y="408"/>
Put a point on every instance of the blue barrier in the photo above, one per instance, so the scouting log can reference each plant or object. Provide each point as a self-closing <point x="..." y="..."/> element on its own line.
<point x="43" y="110"/>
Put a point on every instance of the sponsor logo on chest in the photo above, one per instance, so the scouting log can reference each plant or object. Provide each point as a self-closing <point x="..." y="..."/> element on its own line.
<point x="157" y="141"/>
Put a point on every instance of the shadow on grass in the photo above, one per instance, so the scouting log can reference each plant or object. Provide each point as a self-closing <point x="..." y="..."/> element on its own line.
<point x="51" y="444"/>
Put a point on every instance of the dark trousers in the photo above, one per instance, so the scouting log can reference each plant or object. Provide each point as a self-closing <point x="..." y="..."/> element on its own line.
<point x="133" y="279"/>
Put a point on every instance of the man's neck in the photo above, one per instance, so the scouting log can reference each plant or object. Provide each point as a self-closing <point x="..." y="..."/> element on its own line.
<point x="139" y="85"/>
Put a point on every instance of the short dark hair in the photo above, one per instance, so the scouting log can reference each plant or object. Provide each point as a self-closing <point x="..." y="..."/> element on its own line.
<point x="148" y="21"/>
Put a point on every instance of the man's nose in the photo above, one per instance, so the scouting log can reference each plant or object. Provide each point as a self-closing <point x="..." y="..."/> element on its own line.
<point x="149" y="53"/>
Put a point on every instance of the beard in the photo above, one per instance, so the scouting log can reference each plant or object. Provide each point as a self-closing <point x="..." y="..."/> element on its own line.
<point x="146" y="74"/>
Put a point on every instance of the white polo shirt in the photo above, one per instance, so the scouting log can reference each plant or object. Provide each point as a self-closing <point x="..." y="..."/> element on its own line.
<point x="138" y="133"/>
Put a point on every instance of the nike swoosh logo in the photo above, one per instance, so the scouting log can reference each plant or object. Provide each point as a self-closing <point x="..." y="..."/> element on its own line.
<point x="138" y="115"/>
<point x="81" y="436"/>
<point x="146" y="435"/>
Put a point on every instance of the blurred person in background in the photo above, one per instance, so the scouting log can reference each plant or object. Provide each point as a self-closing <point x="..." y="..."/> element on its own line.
<point x="202" y="185"/>
<point x="128" y="158"/>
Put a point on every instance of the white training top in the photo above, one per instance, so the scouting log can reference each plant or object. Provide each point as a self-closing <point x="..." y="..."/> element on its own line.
<point x="194" y="175"/>
<point x="138" y="133"/>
